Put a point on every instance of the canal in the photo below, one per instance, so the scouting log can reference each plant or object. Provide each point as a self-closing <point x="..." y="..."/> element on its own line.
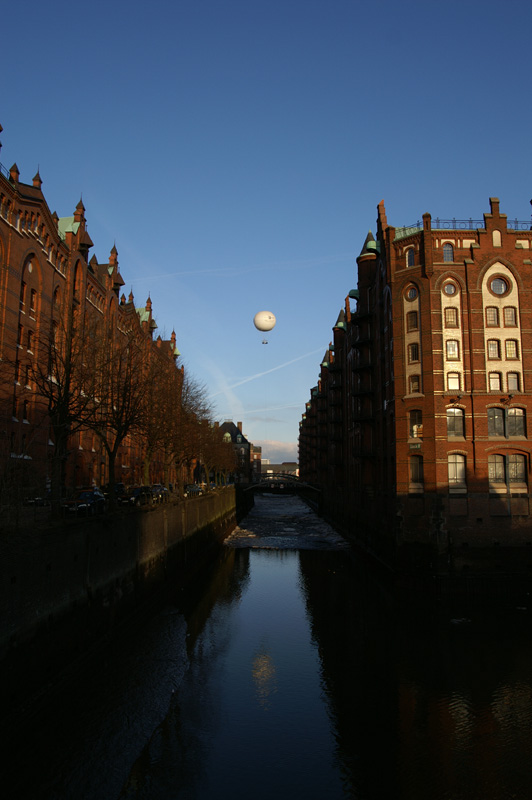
<point x="290" y="670"/>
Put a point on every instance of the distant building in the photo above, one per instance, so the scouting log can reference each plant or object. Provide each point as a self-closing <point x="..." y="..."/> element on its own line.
<point x="256" y="462"/>
<point x="233" y="433"/>
<point x="418" y="430"/>
<point x="285" y="468"/>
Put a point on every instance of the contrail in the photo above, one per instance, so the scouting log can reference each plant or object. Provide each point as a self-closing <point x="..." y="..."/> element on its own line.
<point x="267" y="372"/>
<point x="247" y="268"/>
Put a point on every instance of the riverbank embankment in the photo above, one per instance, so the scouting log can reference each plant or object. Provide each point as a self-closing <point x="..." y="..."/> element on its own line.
<point x="66" y="585"/>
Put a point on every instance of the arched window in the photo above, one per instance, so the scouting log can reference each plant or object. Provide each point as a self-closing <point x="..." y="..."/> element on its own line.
<point x="453" y="381"/>
<point x="495" y="422"/>
<point x="413" y="352"/>
<point x="455" y="422"/>
<point x="452" y="350"/>
<point x="448" y="252"/>
<point x="410" y="257"/>
<point x="411" y="321"/>
<point x="496" y="469"/>
<point x="516" y="468"/>
<point x="456" y="469"/>
<point x="512" y="379"/>
<point x="506" y="422"/>
<point x="451" y="317"/>
<point x="516" y="422"/>
<point x="512" y="349"/>
<point x="495" y="382"/>
<point x="492" y="317"/>
<point x="415" y="384"/>
<point x="510" y="317"/>
<point x="494" y="348"/>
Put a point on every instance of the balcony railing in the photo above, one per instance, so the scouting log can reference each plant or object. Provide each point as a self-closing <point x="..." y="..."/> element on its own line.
<point x="438" y="224"/>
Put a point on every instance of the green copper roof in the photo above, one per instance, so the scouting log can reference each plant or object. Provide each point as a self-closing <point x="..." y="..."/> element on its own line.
<point x="67" y="225"/>
<point x="400" y="233"/>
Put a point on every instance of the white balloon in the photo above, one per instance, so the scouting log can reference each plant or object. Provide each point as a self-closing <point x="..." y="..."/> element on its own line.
<point x="264" y="321"/>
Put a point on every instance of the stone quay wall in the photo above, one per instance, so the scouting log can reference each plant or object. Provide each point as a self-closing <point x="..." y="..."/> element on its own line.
<point x="63" y="586"/>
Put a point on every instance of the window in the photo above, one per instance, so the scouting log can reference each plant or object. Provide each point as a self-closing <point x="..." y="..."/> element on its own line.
<point x="27" y="377"/>
<point x="492" y="317"/>
<point x="416" y="469"/>
<point x="453" y="381"/>
<point x="448" y="252"/>
<point x="25" y="411"/>
<point x="495" y="381"/>
<point x="416" y="423"/>
<point x="516" y="422"/>
<point x="499" y="286"/>
<point x="20" y="335"/>
<point x="494" y="348"/>
<point x="495" y="422"/>
<point x="509" y="469"/>
<point x="456" y="469"/>
<point x="452" y="350"/>
<point x="22" y="295"/>
<point x="512" y="379"/>
<point x="411" y="293"/>
<point x="511" y="348"/>
<point x="413" y="352"/>
<point x="410" y="257"/>
<point x="451" y="317"/>
<point x="449" y="288"/>
<point x="411" y="321"/>
<point x="17" y="371"/>
<point x="516" y="468"/>
<point x="31" y="338"/>
<point x="415" y="384"/>
<point x="455" y="422"/>
<point x="506" y="422"/>
<point x="510" y="316"/>
<point x="33" y="300"/>
<point x="496" y="470"/>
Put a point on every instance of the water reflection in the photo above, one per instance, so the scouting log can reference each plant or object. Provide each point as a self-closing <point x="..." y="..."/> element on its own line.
<point x="264" y="677"/>
<point x="296" y="673"/>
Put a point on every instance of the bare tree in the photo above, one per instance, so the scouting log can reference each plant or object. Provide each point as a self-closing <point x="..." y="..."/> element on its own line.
<point x="61" y="381"/>
<point x="185" y="423"/>
<point x="119" y="380"/>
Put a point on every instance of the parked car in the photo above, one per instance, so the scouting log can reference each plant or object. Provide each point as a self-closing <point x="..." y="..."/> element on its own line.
<point x="193" y="490"/>
<point x="41" y="500"/>
<point x="87" y="502"/>
<point x="160" y="493"/>
<point x="120" y="491"/>
<point x="139" y="496"/>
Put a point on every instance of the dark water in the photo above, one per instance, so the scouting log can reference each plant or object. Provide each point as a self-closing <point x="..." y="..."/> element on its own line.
<point x="291" y="671"/>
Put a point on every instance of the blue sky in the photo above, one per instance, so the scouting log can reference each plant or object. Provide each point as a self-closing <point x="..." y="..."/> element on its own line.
<point x="236" y="151"/>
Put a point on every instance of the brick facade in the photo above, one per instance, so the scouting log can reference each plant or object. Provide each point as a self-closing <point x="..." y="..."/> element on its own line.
<point x="47" y="278"/>
<point x="419" y="427"/>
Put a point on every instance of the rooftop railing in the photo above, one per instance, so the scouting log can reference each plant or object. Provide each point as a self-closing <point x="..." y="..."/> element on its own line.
<point x="438" y="224"/>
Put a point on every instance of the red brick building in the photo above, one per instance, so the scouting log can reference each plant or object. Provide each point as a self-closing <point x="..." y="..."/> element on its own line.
<point x="419" y="427"/>
<point x="47" y="278"/>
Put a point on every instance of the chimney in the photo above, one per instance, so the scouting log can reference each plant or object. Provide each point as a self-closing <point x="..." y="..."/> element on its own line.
<point x="239" y="426"/>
